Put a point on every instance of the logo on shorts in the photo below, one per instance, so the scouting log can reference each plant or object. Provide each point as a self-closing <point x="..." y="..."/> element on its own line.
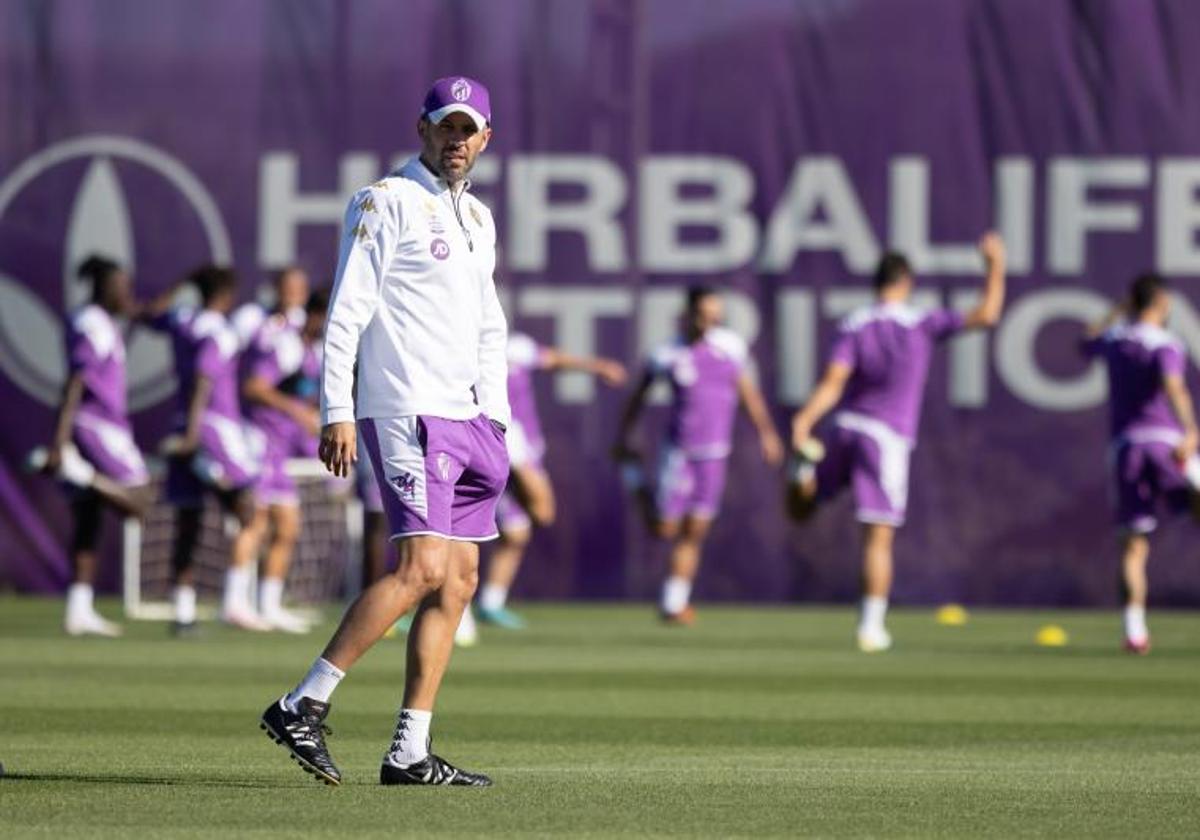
<point x="406" y="486"/>
<point x="443" y="465"/>
<point x="461" y="90"/>
<point x="439" y="249"/>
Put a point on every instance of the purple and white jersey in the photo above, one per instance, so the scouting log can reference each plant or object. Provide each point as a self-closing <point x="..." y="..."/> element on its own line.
<point x="524" y="357"/>
<point x="96" y="350"/>
<point x="704" y="384"/>
<point x="1139" y="357"/>
<point x="279" y="355"/>
<point x="204" y="345"/>
<point x="889" y="348"/>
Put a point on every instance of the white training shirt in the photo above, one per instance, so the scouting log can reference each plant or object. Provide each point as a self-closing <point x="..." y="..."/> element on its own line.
<point x="415" y="303"/>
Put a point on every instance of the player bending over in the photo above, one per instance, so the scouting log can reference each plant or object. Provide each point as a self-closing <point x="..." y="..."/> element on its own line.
<point x="706" y="368"/>
<point x="282" y="369"/>
<point x="876" y="379"/>
<point x="93" y="452"/>
<point x="415" y="303"/>
<point x="529" y="499"/>
<point x="213" y="451"/>
<point x="1154" y="434"/>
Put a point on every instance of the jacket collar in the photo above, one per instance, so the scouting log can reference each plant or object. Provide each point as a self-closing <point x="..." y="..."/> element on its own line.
<point x="415" y="170"/>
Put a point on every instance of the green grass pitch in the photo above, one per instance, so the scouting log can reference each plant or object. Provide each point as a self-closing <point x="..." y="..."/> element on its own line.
<point x="597" y="722"/>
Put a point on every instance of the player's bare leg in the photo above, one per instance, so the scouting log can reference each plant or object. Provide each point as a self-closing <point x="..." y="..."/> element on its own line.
<point x="536" y="496"/>
<point x="1135" y="553"/>
<point x="878" y="539"/>
<point x="284" y="530"/>
<point x="432" y="636"/>
<point x="687" y="543"/>
<point x="375" y="547"/>
<point x="502" y="568"/>
<point x="422" y="569"/>
<point x="237" y="603"/>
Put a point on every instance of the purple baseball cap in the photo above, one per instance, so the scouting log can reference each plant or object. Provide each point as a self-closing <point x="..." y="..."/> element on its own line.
<point x="458" y="94"/>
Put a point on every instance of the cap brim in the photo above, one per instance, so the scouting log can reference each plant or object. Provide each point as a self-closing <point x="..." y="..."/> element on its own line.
<point x="458" y="108"/>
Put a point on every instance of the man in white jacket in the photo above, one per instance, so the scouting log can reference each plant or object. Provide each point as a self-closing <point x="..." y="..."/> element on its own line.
<point x="415" y="305"/>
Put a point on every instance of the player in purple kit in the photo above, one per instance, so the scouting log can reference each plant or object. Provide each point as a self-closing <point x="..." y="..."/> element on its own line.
<point x="706" y="368"/>
<point x="876" y="379"/>
<point x="529" y="498"/>
<point x="213" y="451"/>
<point x="282" y="369"/>
<point x="93" y="450"/>
<point x="1154" y="433"/>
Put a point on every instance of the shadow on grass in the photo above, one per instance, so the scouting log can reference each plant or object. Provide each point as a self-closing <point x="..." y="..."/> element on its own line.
<point x="152" y="781"/>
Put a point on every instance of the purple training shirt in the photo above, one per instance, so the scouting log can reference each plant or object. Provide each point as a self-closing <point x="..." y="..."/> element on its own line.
<point x="204" y="345"/>
<point x="889" y="348"/>
<point x="280" y="356"/>
<point x="703" y="377"/>
<point x="96" y="349"/>
<point x="524" y="357"/>
<point x="1139" y="357"/>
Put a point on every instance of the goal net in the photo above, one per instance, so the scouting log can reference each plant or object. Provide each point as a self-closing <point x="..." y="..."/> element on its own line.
<point x="324" y="567"/>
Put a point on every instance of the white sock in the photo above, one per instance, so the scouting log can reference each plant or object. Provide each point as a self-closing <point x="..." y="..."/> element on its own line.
<point x="410" y="744"/>
<point x="493" y="596"/>
<point x="237" y="590"/>
<point x="185" y="604"/>
<point x="675" y="594"/>
<point x="80" y="601"/>
<point x="270" y="596"/>
<point x="874" y="609"/>
<point x="318" y="684"/>
<point x="1135" y="623"/>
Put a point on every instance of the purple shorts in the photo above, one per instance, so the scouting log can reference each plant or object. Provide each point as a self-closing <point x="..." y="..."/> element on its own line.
<point x="229" y="459"/>
<point x="688" y="486"/>
<point x="437" y="476"/>
<point x="1148" y="477"/>
<point x="274" y="486"/>
<point x="110" y="448"/>
<point x="868" y="456"/>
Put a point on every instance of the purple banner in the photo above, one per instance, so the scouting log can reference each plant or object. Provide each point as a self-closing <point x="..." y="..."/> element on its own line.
<point x="770" y="148"/>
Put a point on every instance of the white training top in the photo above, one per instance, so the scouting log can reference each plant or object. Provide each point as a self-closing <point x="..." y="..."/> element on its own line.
<point x="414" y="302"/>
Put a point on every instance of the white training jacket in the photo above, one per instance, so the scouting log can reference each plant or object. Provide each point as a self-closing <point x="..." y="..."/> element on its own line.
<point x="414" y="302"/>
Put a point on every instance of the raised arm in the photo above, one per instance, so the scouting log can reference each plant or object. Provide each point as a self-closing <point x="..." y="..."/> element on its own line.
<point x="1099" y="328"/>
<point x="1181" y="404"/>
<point x="768" y="439"/>
<point x="149" y="312"/>
<point x="368" y="239"/>
<point x="610" y="371"/>
<point x="987" y="313"/>
<point x="622" y="448"/>
<point x="826" y="395"/>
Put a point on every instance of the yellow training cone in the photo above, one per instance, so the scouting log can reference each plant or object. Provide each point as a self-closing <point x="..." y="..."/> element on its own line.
<point x="1051" y="636"/>
<point x="951" y="615"/>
